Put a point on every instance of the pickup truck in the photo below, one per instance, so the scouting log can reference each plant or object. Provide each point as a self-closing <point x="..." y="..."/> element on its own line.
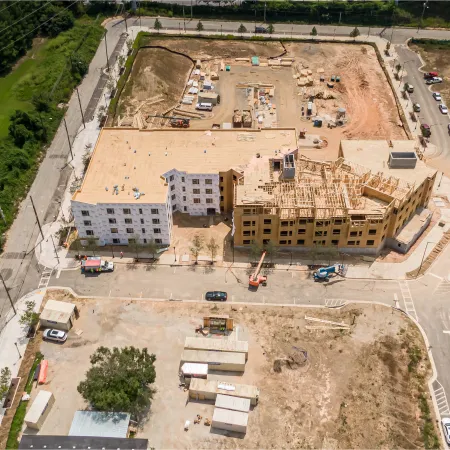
<point x="96" y="264"/>
<point x="427" y="75"/>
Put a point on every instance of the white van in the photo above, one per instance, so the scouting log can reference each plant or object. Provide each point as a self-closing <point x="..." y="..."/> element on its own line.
<point x="204" y="106"/>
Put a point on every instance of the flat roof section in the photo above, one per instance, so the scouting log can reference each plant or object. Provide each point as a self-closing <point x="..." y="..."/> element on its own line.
<point x="230" y="417"/>
<point x="226" y="388"/>
<point x="233" y="403"/>
<point x="218" y="345"/>
<point x="34" y="442"/>
<point x="135" y="158"/>
<point x="100" y="424"/>
<point x="210" y="357"/>
<point x="38" y="406"/>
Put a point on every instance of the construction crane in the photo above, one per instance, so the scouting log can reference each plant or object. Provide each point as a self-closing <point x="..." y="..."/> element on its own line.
<point x="255" y="278"/>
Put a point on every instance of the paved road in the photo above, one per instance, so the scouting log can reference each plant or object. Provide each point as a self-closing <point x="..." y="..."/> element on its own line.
<point x="430" y="112"/>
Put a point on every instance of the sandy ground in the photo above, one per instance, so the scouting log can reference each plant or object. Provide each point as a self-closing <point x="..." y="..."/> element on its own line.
<point x="354" y="391"/>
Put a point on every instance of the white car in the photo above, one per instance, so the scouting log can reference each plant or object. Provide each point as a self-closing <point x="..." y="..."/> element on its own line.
<point x="446" y="427"/>
<point x="55" y="335"/>
<point x="434" y="80"/>
<point x="443" y="108"/>
<point x="437" y="96"/>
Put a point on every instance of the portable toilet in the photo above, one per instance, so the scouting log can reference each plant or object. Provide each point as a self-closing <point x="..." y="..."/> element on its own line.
<point x="227" y="68"/>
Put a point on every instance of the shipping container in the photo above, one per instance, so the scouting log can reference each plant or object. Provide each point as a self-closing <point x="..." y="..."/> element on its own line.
<point x="39" y="410"/>
<point x="225" y="419"/>
<point x="216" y="360"/>
<point x="233" y="403"/>
<point x="218" y="345"/>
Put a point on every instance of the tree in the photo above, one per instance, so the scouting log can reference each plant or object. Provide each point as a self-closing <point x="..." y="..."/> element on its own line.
<point x="200" y="26"/>
<point x="314" y="31"/>
<point x="157" y="25"/>
<point x="212" y="246"/>
<point x="101" y="113"/>
<point x="5" y="380"/>
<point x="255" y="251"/>
<point x="119" y="380"/>
<point x="270" y="29"/>
<point x="242" y="29"/>
<point x="354" y="33"/>
<point x="129" y="45"/>
<point x="398" y="67"/>
<point x="136" y="245"/>
<point x="121" y="60"/>
<point x="152" y="247"/>
<point x="197" y="246"/>
<point x="271" y="250"/>
<point x="92" y="244"/>
<point x="29" y="318"/>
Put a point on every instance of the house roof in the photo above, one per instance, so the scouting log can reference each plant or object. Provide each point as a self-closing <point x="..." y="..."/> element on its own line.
<point x="100" y="424"/>
<point x="57" y="311"/>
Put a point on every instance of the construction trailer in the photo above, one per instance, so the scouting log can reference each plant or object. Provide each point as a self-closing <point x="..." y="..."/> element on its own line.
<point x="59" y="315"/>
<point x="210" y="389"/>
<point x="232" y="362"/>
<point x="39" y="410"/>
<point x="193" y="370"/>
<point x="209" y="97"/>
<point x="226" y="419"/>
<point x="218" y="323"/>
<point x="233" y="403"/>
<point x="217" y="345"/>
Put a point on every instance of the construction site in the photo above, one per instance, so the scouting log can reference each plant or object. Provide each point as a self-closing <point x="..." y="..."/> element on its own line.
<point x="327" y="380"/>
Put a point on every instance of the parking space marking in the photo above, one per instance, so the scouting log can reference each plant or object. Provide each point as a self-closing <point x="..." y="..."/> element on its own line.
<point x="45" y="278"/>
<point x="407" y="299"/>
<point x="335" y="302"/>
<point x="441" y="399"/>
<point x="437" y="276"/>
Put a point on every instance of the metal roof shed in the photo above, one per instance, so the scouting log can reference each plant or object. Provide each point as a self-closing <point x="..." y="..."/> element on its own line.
<point x="60" y="315"/>
<point x="217" y="345"/>
<point x="233" y="403"/>
<point x="216" y="360"/>
<point x="100" y="424"/>
<point x="39" y="410"/>
<point x="225" y="419"/>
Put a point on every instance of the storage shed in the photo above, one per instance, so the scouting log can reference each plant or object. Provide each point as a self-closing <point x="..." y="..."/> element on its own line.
<point x="218" y="345"/>
<point x="59" y="315"/>
<point x="100" y="424"/>
<point x="209" y="389"/>
<point x="225" y="419"/>
<point x="216" y="360"/>
<point x="208" y="97"/>
<point x="39" y="410"/>
<point x="233" y="403"/>
<point x="192" y="370"/>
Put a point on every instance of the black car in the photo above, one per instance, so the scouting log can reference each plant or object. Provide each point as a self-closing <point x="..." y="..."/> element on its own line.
<point x="261" y="30"/>
<point x="216" y="296"/>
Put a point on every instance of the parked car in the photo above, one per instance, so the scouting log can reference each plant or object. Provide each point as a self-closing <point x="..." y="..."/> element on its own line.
<point x="437" y="96"/>
<point x="216" y="296"/>
<point x="416" y="107"/>
<point x="448" y="127"/>
<point x="55" y="335"/>
<point x="434" y="80"/>
<point x="446" y="427"/>
<point x="204" y="106"/>
<point x="430" y="75"/>
<point x="409" y="88"/>
<point x="261" y="30"/>
<point x="443" y="108"/>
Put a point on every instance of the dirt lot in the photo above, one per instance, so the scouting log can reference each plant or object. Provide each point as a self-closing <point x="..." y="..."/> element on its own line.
<point x="357" y="389"/>
<point x="437" y="58"/>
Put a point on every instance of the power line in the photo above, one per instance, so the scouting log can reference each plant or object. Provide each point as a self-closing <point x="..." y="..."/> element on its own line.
<point x="20" y="20"/>
<point x="40" y="25"/>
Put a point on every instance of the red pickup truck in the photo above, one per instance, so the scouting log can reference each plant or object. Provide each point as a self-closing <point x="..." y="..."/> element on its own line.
<point x="430" y="75"/>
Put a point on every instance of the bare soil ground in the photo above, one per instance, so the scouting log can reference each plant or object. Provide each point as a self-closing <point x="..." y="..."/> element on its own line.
<point x="437" y="58"/>
<point x="358" y="388"/>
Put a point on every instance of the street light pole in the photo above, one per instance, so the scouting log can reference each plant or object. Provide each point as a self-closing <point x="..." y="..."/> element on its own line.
<point x="81" y="109"/>
<point x="54" y="248"/>
<point x="423" y="12"/>
<point x="7" y="292"/>
<point x="17" y="348"/>
<point x="68" y="137"/>
<point x="423" y="257"/>
<point x="175" y="254"/>
<point x="106" y="49"/>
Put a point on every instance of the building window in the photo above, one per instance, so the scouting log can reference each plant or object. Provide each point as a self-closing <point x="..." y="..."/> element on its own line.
<point x="353" y="233"/>
<point x="209" y="200"/>
<point x="183" y="189"/>
<point x="196" y="200"/>
<point x="337" y="231"/>
<point x="196" y="191"/>
<point x="338" y="221"/>
<point x="172" y="188"/>
<point x="334" y="242"/>
<point x="155" y="221"/>
<point x="142" y="221"/>
<point x="157" y="230"/>
<point x="382" y="238"/>
<point x="174" y="207"/>
<point x="351" y="243"/>
<point x="143" y="230"/>
<point x="132" y="241"/>
<point x="267" y="221"/>
<point x="128" y="221"/>
<point x="158" y="241"/>
<point x="283" y="242"/>
<point x="285" y="233"/>
<point x="320" y="233"/>
<point x="145" y="241"/>
<point x="89" y="233"/>
<point x="208" y="181"/>
<point x="370" y="242"/>
<point x="116" y="241"/>
<point x="246" y="241"/>
<point x="85" y="213"/>
<point x="184" y="198"/>
<point x="109" y="210"/>
<point x="171" y="178"/>
<point x="221" y="188"/>
<point x="112" y="221"/>
<point x="182" y="179"/>
<point x="87" y="223"/>
<point x="246" y="233"/>
<point x="221" y="198"/>
<point x="184" y="208"/>
<point x="300" y="242"/>
<point x="221" y="179"/>
<point x="140" y="211"/>
<point x="267" y="231"/>
<point x="372" y="232"/>
<point x="173" y="197"/>
<point x="246" y="223"/>
<point x="301" y="231"/>
<point x="319" y="242"/>
<point x="126" y="211"/>
<point x="130" y="230"/>
<point x="154" y="211"/>
<point x="195" y="181"/>
<point x="266" y="241"/>
<point x="302" y="221"/>
<point x="208" y="191"/>
<point x="114" y="230"/>
<point x="286" y="223"/>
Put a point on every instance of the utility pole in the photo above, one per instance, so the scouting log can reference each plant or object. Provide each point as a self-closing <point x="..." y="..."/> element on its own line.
<point x="423" y="12"/>
<point x="126" y="25"/>
<point x="184" y="20"/>
<point x="7" y="292"/>
<point x="265" y="6"/>
<point x="368" y="33"/>
<point x="340" y="17"/>
<point x="54" y="248"/>
<point x="81" y="109"/>
<point x="68" y="137"/>
<point x="106" y="48"/>
<point x="37" y="218"/>
<point x="191" y="11"/>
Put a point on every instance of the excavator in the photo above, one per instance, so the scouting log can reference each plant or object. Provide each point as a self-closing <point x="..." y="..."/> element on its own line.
<point x="255" y="278"/>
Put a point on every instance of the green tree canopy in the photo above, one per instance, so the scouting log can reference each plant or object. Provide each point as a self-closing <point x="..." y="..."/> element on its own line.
<point x="314" y="31"/>
<point x="119" y="380"/>
<point x="200" y="26"/>
<point x="157" y="25"/>
<point x="242" y="29"/>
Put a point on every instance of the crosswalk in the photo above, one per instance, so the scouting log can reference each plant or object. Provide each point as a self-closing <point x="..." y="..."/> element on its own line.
<point x="45" y="277"/>
<point x="407" y="298"/>
<point x="335" y="302"/>
<point x="443" y="288"/>
<point x="441" y="398"/>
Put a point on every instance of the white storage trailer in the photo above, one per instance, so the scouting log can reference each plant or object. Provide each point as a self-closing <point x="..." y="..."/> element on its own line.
<point x="234" y="362"/>
<point x="225" y="419"/>
<point x="39" y="410"/>
<point x="217" y="345"/>
<point x="233" y="403"/>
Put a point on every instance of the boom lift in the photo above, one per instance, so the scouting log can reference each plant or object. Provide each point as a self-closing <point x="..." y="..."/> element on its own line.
<point x="255" y="278"/>
<point x="323" y="274"/>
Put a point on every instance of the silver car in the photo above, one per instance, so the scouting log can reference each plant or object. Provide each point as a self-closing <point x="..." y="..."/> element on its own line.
<point x="443" y="108"/>
<point x="55" y="335"/>
<point x="446" y="427"/>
